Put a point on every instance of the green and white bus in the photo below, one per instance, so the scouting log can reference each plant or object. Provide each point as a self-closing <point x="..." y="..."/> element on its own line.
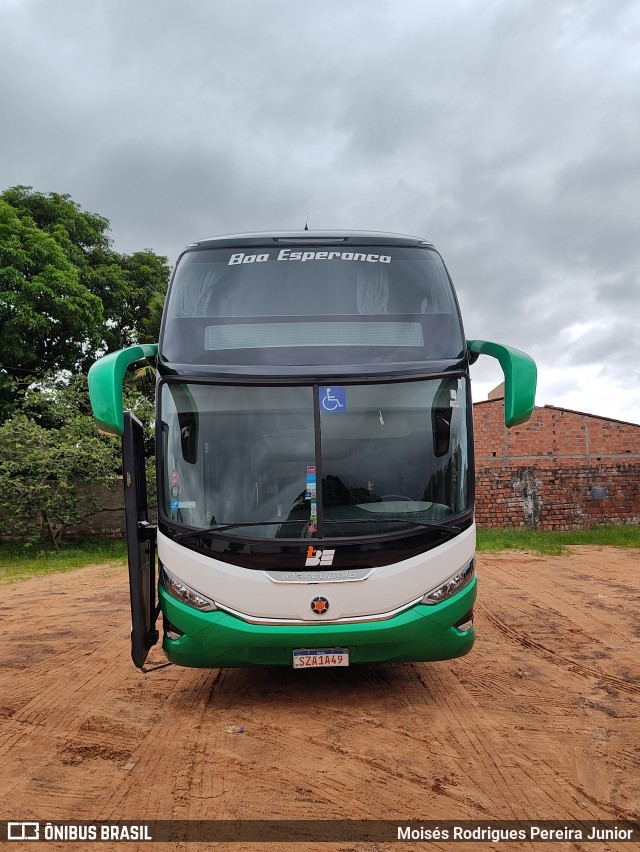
<point x="314" y="444"/>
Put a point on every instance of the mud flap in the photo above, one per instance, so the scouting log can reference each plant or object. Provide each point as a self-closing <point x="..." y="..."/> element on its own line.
<point x="141" y="542"/>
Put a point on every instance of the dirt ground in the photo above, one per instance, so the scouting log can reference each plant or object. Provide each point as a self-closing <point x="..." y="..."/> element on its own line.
<point x="540" y="721"/>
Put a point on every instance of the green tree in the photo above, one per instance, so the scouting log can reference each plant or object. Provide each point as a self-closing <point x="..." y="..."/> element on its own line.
<point x="84" y="236"/>
<point x="66" y="296"/>
<point x="47" y="476"/>
<point x="47" y="316"/>
<point x="147" y="276"/>
<point x="129" y="286"/>
<point x="52" y="459"/>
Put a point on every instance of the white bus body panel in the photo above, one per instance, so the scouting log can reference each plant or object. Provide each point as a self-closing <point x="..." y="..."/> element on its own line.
<point x="252" y="593"/>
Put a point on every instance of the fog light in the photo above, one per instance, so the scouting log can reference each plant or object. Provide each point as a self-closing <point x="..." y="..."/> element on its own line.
<point x="170" y="630"/>
<point x="465" y="623"/>
<point x="173" y="634"/>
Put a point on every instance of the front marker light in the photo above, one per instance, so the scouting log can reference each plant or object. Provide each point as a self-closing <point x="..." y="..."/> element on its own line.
<point x="179" y="590"/>
<point x="451" y="586"/>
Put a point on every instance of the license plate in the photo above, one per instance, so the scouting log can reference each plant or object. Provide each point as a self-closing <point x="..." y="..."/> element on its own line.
<point x="320" y="658"/>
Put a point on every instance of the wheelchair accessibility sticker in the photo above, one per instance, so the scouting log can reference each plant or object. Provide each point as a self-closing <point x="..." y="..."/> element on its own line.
<point x="333" y="399"/>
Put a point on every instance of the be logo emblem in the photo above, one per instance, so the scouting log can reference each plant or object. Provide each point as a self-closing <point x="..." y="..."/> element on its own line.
<point x="319" y="605"/>
<point x="317" y="557"/>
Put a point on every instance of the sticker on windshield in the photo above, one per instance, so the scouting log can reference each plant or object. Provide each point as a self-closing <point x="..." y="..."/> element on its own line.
<point x="333" y="399"/>
<point x="311" y="489"/>
<point x="311" y="485"/>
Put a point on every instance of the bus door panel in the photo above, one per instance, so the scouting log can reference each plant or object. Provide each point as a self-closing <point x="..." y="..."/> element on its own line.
<point x="141" y="542"/>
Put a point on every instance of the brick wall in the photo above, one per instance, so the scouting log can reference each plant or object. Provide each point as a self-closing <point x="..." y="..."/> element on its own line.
<point x="562" y="470"/>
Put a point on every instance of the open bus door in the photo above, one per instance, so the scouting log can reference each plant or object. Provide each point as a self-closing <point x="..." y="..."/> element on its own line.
<point x="105" y="390"/>
<point x="141" y="542"/>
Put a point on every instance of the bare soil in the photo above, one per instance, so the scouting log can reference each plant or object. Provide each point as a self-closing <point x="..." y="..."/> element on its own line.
<point x="540" y="721"/>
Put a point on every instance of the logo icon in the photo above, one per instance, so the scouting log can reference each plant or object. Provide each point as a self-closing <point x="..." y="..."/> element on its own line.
<point x="320" y="605"/>
<point x="23" y="831"/>
<point x="317" y="557"/>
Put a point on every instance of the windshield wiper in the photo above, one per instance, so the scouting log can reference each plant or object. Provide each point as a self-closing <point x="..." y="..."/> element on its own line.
<point x="222" y="527"/>
<point x="239" y="524"/>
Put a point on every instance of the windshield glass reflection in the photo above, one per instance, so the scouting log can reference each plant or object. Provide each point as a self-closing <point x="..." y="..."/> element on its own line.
<point x="392" y="456"/>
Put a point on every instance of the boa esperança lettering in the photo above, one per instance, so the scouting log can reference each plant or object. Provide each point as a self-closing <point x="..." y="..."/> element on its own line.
<point x="304" y="256"/>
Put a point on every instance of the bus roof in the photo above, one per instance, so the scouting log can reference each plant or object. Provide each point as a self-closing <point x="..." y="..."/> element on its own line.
<point x="309" y="238"/>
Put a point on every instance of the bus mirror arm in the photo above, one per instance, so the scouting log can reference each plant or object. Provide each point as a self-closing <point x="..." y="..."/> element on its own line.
<point x="520" y="376"/>
<point x="105" y="385"/>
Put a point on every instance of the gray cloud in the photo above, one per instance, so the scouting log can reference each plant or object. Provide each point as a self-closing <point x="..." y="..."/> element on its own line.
<point x="505" y="132"/>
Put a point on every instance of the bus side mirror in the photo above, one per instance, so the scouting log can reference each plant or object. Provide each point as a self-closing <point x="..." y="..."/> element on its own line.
<point x="105" y="385"/>
<point x="520" y="376"/>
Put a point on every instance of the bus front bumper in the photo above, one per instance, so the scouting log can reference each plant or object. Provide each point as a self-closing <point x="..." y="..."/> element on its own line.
<point x="219" y="639"/>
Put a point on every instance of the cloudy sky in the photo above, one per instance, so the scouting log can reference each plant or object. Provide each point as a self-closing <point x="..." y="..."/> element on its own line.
<point x="505" y="131"/>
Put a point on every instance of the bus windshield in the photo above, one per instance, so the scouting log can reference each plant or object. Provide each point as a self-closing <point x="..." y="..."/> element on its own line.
<point x="311" y="306"/>
<point x="305" y="462"/>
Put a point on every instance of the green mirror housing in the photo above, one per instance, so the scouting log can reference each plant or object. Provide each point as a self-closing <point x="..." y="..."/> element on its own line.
<point x="520" y="376"/>
<point x="105" y="385"/>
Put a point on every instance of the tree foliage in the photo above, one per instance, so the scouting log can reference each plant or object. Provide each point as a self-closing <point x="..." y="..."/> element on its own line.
<point x="66" y="296"/>
<point x="47" y="316"/>
<point x="52" y="459"/>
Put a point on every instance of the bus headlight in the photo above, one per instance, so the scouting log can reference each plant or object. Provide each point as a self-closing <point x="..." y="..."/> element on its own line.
<point x="179" y="590"/>
<point x="451" y="586"/>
